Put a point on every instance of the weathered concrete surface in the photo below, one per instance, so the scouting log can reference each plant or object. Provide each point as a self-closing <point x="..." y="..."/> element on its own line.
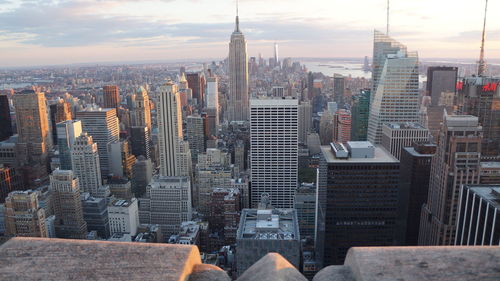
<point x="334" y="273"/>
<point x="272" y="267"/>
<point x="424" y="263"/>
<point x="208" y="272"/>
<point x="65" y="259"/>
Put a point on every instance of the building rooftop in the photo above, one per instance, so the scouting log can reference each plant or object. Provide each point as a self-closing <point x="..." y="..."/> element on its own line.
<point x="268" y="224"/>
<point x="406" y="125"/>
<point x="490" y="193"/>
<point x="380" y="156"/>
<point x="490" y="165"/>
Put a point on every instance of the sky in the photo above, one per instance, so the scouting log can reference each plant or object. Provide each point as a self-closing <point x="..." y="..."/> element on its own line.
<point x="50" y="32"/>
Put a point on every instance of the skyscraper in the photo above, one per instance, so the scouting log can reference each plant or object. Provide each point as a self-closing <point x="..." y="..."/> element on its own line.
<point x="5" y="119"/>
<point x="67" y="132"/>
<point x="357" y="200"/>
<point x="440" y="79"/>
<point x="111" y="96"/>
<point x="102" y="125"/>
<point x="140" y="113"/>
<point x="338" y="89"/>
<point x="360" y="114"/>
<point x="276" y="58"/>
<point x="343" y="126"/>
<point x="305" y="121"/>
<point x="9" y="181"/>
<point x="274" y="150"/>
<point x="23" y="215"/>
<point x="238" y="76"/>
<point x="395" y="78"/>
<point x="34" y="140"/>
<point x="480" y="96"/>
<point x="195" y="135"/>
<point x="167" y="202"/>
<point x="85" y="164"/>
<point x="415" y="170"/>
<point x="397" y="136"/>
<point x="169" y="128"/>
<point x="455" y="163"/>
<point x="196" y="82"/>
<point x="59" y="112"/>
<point x="212" y="109"/>
<point x="65" y="191"/>
<point x="140" y="141"/>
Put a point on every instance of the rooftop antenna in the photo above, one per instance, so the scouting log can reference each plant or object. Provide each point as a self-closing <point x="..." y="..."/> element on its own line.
<point x="481" y="63"/>
<point x="387" y="33"/>
<point x="237" y="18"/>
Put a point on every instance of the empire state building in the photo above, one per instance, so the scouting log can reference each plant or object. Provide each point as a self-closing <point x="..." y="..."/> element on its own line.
<point x="238" y="109"/>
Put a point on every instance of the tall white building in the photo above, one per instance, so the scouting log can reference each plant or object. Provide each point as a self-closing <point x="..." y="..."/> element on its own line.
<point x="167" y="202"/>
<point x="85" y="164"/>
<point x="238" y="76"/>
<point x="274" y="150"/>
<point x="123" y="216"/>
<point x="170" y="129"/>
<point x="395" y="77"/>
<point x="397" y="136"/>
<point x="212" y="93"/>
<point x="67" y="132"/>
<point x="102" y="125"/>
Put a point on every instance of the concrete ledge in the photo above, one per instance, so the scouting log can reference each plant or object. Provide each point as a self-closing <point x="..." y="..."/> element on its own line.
<point x="64" y="259"/>
<point x="272" y="267"/>
<point x="424" y="263"/>
<point x="335" y="273"/>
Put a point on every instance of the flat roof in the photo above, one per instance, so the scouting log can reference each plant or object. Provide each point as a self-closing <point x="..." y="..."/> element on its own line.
<point x="281" y="225"/>
<point x="381" y="156"/>
<point x="489" y="192"/>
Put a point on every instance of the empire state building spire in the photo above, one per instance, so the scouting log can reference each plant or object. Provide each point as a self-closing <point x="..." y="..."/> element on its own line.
<point x="237" y="29"/>
<point x="238" y="75"/>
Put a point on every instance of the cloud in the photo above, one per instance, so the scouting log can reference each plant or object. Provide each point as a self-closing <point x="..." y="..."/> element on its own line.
<point x="75" y="23"/>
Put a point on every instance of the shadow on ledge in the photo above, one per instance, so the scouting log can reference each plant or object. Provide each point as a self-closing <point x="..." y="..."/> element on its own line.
<point x="63" y="259"/>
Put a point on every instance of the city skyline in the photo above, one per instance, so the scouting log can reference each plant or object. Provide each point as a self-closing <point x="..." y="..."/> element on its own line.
<point x="140" y="30"/>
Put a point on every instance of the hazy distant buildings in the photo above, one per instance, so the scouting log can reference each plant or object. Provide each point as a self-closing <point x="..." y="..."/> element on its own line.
<point x="102" y="125"/>
<point x="237" y="107"/>
<point x="68" y="210"/>
<point x="274" y="150"/>
<point x="23" y="215"/>
<point x="456" y="163"/>
<point x="358" y="200"/>
<point x="395" y="96"/>
<point x="396" y="136"/>
<point x="111" y="96"/>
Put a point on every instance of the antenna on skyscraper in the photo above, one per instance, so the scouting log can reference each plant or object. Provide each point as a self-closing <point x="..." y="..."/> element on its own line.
<point x="237" y="18"/>
<point x="387" y="33"/>
<point x="481" y="68"/>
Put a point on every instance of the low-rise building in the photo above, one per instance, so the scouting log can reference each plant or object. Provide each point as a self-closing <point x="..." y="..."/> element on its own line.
<point x="123" y="216"/>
